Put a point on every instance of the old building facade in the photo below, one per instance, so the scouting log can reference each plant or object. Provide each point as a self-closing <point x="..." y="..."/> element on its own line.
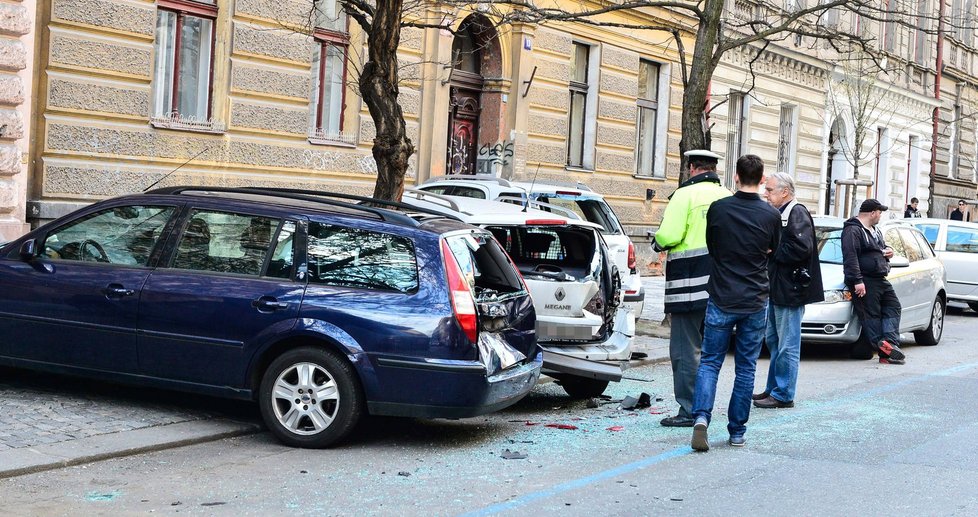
<point x="132" y="94"/>
<point x="16" y="60"/>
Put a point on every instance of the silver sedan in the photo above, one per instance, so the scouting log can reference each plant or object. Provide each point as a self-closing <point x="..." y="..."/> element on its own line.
<point x="917" y="275"/>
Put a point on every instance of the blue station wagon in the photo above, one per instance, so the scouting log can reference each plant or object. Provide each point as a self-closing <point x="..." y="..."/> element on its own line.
<point x="318" y="306"/>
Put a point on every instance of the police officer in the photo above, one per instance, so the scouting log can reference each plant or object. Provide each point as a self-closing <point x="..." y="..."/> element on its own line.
<point x="683" y="234"/>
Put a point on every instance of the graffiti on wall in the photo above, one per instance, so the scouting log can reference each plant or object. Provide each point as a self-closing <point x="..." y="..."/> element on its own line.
<point x="494" y="157"/>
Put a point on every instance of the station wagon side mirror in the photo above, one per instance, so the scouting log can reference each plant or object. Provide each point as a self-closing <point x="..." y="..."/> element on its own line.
<point x="899" y="262"/>
<point x="28" y="250"/>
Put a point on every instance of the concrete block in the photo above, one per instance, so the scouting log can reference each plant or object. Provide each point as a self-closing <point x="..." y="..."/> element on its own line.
<point x="10" y="159"/>
<point x="553" y="41"/>
<point x="86" y="96"/>
<point x="128" y="17"/>
<point x="282" y="44"/>
<point x="260" y="116"/>
<point x="70" y="50"/>
<point x="265" y="80"/>
<point x="14" y="19"/>
<point x="617" y="110"/>
<point x="11" y="89"/>
<point x="617" y="135"/>
<point x="289" y="13"/>
<point x="621" y="84"/>
<point x="11" y="125"/>
<point x="619" y="57"/>
<point x="615" y="161"/>
<point x="9" y="195"/>
<point x="547" y="124"/>
<point x="13" y="54"/>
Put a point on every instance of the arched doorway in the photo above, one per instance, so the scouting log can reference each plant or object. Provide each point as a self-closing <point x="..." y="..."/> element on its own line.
<point x="475" y="55"/>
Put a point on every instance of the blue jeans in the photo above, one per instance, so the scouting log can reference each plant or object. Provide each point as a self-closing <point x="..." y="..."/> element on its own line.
<point x="784" y="342"/>
<point x="719" y="326"/>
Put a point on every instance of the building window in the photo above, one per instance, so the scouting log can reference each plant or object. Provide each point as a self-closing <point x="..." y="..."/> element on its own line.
<point x="920" y="46"/>
<point x="648" y="115"/>
<point x="736" y="134"/>
<point x="952" y="171"/>
<point x="578" y="104"/>
<point x="184" y="64"/>
<point x="786" y="138"/>
<point x="329" y="74"/>
<point x="890" y="27"/>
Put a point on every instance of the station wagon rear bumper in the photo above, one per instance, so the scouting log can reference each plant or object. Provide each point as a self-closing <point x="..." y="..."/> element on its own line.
<point x="457" y="390"/>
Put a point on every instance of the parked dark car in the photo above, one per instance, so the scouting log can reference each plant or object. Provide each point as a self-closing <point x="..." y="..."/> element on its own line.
<point x="317" y="306"/>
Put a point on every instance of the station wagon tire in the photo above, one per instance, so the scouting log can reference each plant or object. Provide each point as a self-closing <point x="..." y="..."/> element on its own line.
<point x="310" y="398"/>
<point x="932" y="334"/>
<point x="582" y="387"/>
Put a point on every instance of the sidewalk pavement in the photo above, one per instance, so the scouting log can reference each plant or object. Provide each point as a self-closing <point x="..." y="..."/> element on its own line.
<point x="43" y="428"/>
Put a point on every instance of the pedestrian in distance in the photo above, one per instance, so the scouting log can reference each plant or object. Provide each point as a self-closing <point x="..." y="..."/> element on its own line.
<point x="958" y="213"/>
<point x="911" y="210"/>
<point x="741" y="233"/>
<point x="796" y="280"/>
<point x="865" y="264"/>
<point x="682" y="234"/>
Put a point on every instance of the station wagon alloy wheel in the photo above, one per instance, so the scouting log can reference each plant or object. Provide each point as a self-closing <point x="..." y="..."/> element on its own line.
<point x="305" y="398"/>
<point x="309" y="397"/>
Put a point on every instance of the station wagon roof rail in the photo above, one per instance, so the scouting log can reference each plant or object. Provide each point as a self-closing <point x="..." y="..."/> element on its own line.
<point x="315" y="197"/>
<point x="466" y="177"/>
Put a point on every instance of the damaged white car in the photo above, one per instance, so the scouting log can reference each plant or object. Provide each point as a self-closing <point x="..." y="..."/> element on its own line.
<point x="585" y="331"/>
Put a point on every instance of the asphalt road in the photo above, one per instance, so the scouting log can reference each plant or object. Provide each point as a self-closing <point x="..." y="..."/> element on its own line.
<point x="864" y="439"/>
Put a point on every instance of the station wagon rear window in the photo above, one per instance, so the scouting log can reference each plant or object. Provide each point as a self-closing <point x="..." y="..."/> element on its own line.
<point x="351" y="257"/>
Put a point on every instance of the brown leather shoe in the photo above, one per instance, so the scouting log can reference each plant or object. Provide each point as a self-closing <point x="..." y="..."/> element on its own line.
<point x="771" y="403"/>
<point x="759" y="396"/>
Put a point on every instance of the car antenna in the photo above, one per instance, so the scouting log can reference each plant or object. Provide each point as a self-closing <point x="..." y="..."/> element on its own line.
<point x="526" y="204"/>
<point x="167" y="175"/>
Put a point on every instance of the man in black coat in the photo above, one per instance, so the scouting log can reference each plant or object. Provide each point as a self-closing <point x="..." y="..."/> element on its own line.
<point x="796" y="280"/>
<point x="865" y="264"/>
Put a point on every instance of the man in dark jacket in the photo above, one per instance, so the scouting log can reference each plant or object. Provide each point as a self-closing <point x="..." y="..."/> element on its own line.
<point x="741" y="233"/>
<point x="911" y="210"/>
<point x="796" y="280"/>
<point x="865" y="264"/>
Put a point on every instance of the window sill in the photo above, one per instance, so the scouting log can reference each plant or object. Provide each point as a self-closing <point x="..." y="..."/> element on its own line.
<point x="571" y="168"/>
<point x="192" y="125"/>
<point x="347" y="140"/>
<point x="647" y="177"/>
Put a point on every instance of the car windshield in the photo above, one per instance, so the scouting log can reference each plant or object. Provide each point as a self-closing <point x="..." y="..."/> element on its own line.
<point x="590" y="209"/>
<point x="829" y="245"/>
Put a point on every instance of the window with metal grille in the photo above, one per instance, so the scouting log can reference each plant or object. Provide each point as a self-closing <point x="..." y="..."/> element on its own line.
<point x="329" y="73"/>
<point x="184" y="63"/>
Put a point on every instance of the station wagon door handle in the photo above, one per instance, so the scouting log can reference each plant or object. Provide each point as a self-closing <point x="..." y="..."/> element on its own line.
<point x="268" y="304"/>
<point x="117" y="291"/>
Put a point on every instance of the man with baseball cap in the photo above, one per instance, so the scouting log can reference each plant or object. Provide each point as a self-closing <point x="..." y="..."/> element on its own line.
<point x="865" y="264"/>
<point x="682" y="234"/>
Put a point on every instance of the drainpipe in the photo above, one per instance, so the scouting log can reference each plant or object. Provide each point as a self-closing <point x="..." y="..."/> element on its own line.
<point x="937" y="109"/>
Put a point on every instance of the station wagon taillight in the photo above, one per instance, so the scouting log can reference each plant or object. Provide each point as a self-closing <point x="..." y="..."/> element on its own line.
<point x="463" y="302"/>
<point x="632" y="261"/>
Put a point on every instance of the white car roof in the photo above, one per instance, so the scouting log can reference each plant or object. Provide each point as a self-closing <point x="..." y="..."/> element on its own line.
<point x="548" y="188"/>
<point x="482" y="212"/>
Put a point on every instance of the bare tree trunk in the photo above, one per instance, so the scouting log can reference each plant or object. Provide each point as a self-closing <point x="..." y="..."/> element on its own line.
<point x="378" y="86"/>
<point x="694" y="131"/>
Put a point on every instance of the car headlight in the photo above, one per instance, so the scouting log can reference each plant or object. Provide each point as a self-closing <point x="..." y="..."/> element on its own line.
<point x="838" y="295"/>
